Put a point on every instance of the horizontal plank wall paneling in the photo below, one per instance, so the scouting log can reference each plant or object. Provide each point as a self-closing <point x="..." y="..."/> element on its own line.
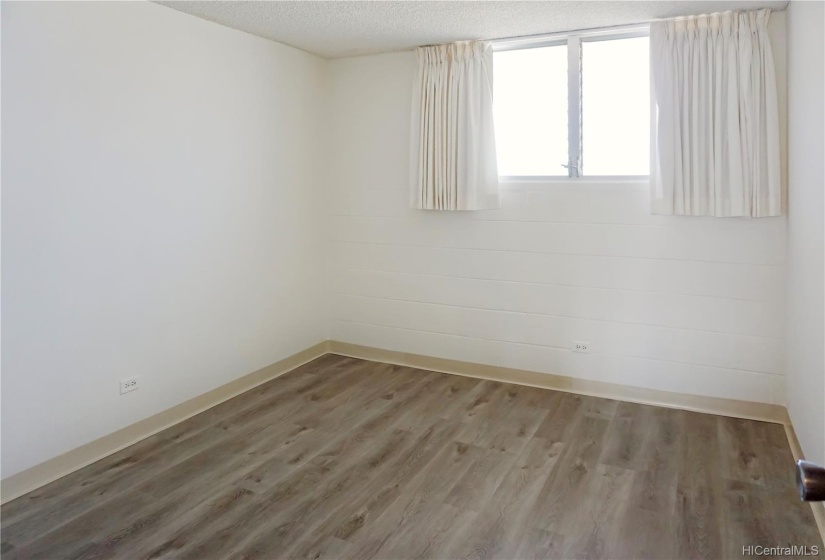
<point x="644" y="341"/>
<point x="736" y="281"/>
<point x="689" y="305"/>
<point x="637" y="372"/>
<point x="683" y="241"/>
<point x="723" y="315"/>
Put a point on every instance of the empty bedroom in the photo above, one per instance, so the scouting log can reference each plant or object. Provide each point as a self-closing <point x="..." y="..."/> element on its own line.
<point x="412" y="279"/>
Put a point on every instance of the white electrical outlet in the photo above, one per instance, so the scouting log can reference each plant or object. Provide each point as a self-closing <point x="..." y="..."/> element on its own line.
<point x="581" y="346"/>
<point x="131" y="384"/>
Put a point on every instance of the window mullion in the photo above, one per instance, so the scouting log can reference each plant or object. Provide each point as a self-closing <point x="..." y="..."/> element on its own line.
<point x="574" y="113"/>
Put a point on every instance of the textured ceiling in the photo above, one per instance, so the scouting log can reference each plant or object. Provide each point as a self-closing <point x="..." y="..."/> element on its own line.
<point x="335" y="29"/>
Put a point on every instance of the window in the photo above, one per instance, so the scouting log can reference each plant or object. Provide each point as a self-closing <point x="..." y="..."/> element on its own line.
<point x="615" y="128"/>
<point x="602" y="81"/>
<point x="531" y="110"/>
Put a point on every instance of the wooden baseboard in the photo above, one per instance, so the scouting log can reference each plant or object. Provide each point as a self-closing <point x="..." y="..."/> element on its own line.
<point x="818" y="508"/>
<point x="52" y="469"/>
<point x="48" y="471"/>
<point x="696" y="403"/>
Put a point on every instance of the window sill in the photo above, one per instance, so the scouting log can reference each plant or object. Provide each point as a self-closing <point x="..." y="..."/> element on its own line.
<point x="565" y="179"/>
<point x="573" y="183"/>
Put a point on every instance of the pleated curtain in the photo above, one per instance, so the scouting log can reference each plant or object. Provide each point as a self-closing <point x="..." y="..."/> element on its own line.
<point x="715" y="131"/>
<point x="453" y="146"/>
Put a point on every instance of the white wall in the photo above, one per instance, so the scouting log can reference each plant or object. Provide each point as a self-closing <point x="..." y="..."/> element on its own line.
<point x="672" y="303"/>
<point x="806" y="248"/>
<point x="160" y="214"/>
<point x="170" y="189"/>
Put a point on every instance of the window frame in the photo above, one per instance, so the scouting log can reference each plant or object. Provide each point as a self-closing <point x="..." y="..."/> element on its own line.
<point x="574" y="41"/>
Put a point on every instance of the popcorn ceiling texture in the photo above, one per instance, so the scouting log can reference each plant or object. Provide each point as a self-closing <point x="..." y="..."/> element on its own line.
<point x="338" y="29"/>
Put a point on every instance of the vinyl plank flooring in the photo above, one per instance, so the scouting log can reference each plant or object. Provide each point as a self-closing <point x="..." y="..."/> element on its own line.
<point x="504" y="525"/>
<point x="179" y="488"/>
<point x="600" y="408"/>
<point x="283" y="525"/>
<point x="644" y="534"/>
<point x="698" y="508"/>
<point x="577" y="463"/>
<point x="431" y="536"/>
<point x="361" y="396"/>
<point x="190" y="526"/>
<point x="345" y="458"/>
<point x="516" y="427"/>
<point x="658" y="463"/>
<point x="331" y="548"/>
<point x="300" y="447"/>
<point x="592" y="527"/>
<point x="350" y="459"/>
<point x="70" y="539"/>
<point x="124" y="469"/>
<point x="291" y="499"/>
<point x="739" y="459"/>
<point x="629" y="428"/>
<point x="76" y="503"/>
<point x="772" y="444"/>
<point x="541" y="398"/>
<point x="478" y="419"/>
<point x="404" y="519"/>
<point x="445" y="397"/>
<point x="86" y="482"/>
<point x="562" y="421"/>
<point x="358" y="506"/>
<point x="540" y="544"/>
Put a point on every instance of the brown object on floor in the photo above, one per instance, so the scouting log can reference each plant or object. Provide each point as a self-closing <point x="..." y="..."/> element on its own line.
<point x="345" y="458"/>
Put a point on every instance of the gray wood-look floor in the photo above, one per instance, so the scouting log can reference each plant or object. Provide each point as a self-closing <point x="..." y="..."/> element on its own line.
<point x="344" y="458"/>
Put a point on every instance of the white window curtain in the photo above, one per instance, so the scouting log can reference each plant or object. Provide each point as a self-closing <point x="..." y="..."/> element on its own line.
<point x="453" y="146"/>
<point x="715" y="135"/>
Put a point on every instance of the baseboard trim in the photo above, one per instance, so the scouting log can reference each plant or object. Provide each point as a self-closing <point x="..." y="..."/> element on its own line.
<point x="818" y="508"/>
<point x="52" y="469"/>
<point x="696" y="403"/>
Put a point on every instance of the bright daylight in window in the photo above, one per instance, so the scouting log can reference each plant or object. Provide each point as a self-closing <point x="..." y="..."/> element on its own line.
<point x="531" y="102"/>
